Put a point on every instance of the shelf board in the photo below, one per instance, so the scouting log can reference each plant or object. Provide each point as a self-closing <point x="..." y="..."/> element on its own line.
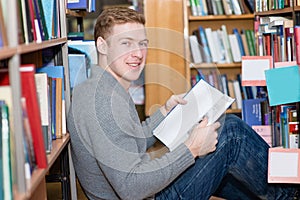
<point x="7" y="52"/>
<point x="296" y="8"/>
<point x="38" y="175"/>
<point x="221" y="17"/>
<point x="57" y="146"/>
<point x="76" y="13"/>
<point x="276" y="12"/>
<point x="215" y="65"/>
<point x="232" y="111"/>
<point x="31" y="47"/>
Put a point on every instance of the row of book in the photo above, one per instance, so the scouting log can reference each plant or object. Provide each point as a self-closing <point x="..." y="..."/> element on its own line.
<point x="278" y="126"/>
<point x="219" y="46"/>
<point x="275" y="116"/>
<point x="220" y="7"/>
<point x="38" y="20"/>
<point x="267" y="5"/>
<point x="276" y="37"/>
<point x="43" y="111"/>
<point x="230" y="87"/>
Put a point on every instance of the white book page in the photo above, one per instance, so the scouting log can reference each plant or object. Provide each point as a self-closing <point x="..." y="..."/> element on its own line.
<point x="203" y="100"/>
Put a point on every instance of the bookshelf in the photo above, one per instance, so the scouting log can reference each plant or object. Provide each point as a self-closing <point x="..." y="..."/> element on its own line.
<point x="170" y="67"/>
<point x="282" y="150"/>
<point x="12" y="56"/>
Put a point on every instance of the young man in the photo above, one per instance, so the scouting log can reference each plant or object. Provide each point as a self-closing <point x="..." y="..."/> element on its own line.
<point x="109" y="142"/>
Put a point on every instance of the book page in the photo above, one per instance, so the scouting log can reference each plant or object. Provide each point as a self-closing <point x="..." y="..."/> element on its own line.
<point x="203" y="100"/>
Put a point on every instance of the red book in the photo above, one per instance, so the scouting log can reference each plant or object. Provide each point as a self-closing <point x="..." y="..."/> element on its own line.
<point x="29" y="92"/>
<point x="32" y="18"/>
<point x="297" y="42"/>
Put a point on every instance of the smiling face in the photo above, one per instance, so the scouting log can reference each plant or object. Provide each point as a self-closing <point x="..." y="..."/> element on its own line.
<point x="126" y="52"/>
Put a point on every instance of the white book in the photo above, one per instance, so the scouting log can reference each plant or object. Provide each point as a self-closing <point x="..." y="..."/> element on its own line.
<point x="195" y="49"/>
<point x="225" y="40"/>
<point x="217" y="36"/>
<point x="211" y="45"/>
<point x="238" y="93"/>
<point x="202" y="100"/>
<point x="236" y="52"/>
<point x="236" y="7"/>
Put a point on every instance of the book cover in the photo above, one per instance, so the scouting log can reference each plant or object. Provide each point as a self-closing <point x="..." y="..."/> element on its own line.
<point x="77" y="4"/>
<point x="28" y="142"/>
<point x="204" y="45"/>
<point x="283" y="85"/>
<point x="3" y="35"/>
<point x="253" y="69"/>
<point x="32" y="19"/>
<point x="32" y="104"/>
<point x="42" y="18"/>
<point x="203" y="100"/>
<point x="6" y="151"/>
<point x="57" y="72"/>
<point x="77" y="69"/>
<point x="42" y="86"/>
<point x="251" y="111"/>
<point x="235" y="49"/>
<point x="251" y="43"/>
<point x="231" y="93"/>
<point x="238" y="93"/>
<point x="195" y="49"/>
<point x="86" y="47"/>
<point x="211" y="45"/>
<point x="283" y="165"/>
<point x="240" y="42"/>
<point x="48" y="10"/>
<point x="58" y="107"/>
<point x="225" y="40"/>
<point x="265" y="132"/>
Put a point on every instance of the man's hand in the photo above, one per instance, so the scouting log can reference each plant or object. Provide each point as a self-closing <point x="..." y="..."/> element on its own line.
<point x="172" y="102"/>
<point x="203" y="139"/>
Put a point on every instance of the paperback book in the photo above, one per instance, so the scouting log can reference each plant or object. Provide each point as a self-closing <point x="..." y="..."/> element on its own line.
<point x="203" y="100"/>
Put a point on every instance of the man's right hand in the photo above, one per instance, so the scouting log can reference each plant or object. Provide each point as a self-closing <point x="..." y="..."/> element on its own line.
<point x="203" y="139"/>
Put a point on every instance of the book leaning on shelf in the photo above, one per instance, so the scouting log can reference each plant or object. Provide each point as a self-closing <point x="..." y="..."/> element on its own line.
<point x="202" y="100"/>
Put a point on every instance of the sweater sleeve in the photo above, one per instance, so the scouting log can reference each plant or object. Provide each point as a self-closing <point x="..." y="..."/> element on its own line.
<point x="119" y="146"/>
<point x="149" y="124"/>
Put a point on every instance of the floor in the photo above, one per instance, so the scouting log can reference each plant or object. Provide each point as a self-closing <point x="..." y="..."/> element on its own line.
<point x="54" y="192"/>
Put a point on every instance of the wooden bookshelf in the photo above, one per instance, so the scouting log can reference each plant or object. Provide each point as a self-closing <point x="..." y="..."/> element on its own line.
<point x="37" y="184"/>
<point x="14" y="55"/>
<point x="275" y="177"/>
<point x="170" y="67"/>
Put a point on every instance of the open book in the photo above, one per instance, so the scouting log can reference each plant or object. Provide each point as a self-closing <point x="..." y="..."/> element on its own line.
<point x="202" y="100"/>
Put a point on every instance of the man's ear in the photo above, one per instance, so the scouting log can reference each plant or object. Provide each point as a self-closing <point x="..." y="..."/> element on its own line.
<point x="101" y="45"/>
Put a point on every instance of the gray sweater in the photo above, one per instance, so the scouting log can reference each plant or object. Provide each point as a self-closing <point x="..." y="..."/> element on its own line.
<point x="109" y="143"/>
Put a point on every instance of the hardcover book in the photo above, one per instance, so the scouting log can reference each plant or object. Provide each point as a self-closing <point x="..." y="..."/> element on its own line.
<point x="251" y="111"/>
<point x="32" y="104"/>
<point x="202" y="100"/>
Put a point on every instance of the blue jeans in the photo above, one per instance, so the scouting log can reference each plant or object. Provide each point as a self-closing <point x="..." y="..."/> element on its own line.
<point x="236" y="170"/>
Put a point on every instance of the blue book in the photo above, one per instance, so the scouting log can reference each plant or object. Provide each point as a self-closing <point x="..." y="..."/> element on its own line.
<point x="48" y="10"/>
<point x="78" y="5"/>
<point x="77" y="69"/>
<point x="251" y="111"/>
<point x="283" y="85"/>
<point x="204" y="45"/>
<point x="240" y="42"/>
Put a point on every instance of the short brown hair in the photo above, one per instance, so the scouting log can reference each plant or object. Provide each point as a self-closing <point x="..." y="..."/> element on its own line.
<point x="115" y="15"/>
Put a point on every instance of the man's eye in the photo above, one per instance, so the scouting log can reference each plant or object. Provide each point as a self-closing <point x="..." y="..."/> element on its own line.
<point x="144" y="44"/>
<point x="126" y="43"/>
